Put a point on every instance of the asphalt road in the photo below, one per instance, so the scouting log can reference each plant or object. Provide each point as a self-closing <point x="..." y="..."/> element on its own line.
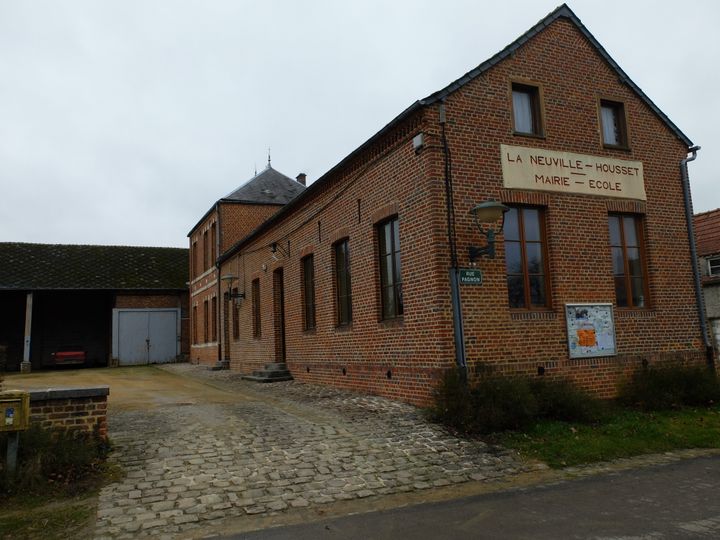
<point x="680" y="500"/>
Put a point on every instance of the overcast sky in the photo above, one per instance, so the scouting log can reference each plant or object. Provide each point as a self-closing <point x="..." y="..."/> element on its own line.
<point x="121" y="122"/>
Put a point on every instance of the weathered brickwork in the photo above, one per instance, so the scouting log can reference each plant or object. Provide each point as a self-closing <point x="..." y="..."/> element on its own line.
<point x="403" y="358"/>
<point x="86" y="410"/>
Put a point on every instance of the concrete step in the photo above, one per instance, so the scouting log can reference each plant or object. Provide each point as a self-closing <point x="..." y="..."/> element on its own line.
<point x="274" y="372"/>
<point x="262" y="379"/>
<point x="276" y="367"/>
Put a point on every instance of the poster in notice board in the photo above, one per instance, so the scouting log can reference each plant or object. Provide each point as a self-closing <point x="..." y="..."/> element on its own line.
<point x="591" y="330"/>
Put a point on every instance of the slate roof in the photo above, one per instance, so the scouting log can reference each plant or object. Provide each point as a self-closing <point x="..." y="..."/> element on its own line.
<point x="57" y="266"/>
<point x="707" y="232"/>
<point x="268" y="187"/>
<point x="561" y="12"/>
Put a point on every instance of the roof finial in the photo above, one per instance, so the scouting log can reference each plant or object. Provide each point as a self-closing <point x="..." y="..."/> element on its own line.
<point x="268" y="157"/>
<point x="256" y="169"/>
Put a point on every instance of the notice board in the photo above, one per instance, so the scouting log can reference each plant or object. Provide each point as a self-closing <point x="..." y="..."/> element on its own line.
<point x="591" y="330"/>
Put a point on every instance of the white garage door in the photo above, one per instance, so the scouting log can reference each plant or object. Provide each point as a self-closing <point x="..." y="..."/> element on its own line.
<point x="145" y="336"/>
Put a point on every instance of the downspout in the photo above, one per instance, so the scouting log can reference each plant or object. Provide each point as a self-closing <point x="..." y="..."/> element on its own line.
<point x="458" y="330"/>
<point x="699" y="298"/>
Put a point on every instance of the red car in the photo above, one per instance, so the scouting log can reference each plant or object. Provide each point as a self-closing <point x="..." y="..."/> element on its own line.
<point x="67" y="355"/>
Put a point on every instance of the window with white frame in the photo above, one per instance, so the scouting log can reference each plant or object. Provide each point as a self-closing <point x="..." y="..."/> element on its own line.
<point x="714" y="266"/>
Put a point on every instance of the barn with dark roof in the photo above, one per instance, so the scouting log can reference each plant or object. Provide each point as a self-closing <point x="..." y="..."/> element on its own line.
<point x="92" y="305"/>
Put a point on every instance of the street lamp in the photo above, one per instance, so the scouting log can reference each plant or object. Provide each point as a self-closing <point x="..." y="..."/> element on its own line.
<point x="487" y="213"/>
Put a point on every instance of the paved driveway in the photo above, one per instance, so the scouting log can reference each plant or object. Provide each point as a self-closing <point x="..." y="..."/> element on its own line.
<point x="206" y="452"/>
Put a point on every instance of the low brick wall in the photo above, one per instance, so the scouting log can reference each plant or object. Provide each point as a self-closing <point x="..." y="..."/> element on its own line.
<point x="83" y="409"/>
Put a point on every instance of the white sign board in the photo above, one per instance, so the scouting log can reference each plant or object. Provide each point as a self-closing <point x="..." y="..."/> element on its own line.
<point x="565" y="172"/>
<point x="591" y="330"/>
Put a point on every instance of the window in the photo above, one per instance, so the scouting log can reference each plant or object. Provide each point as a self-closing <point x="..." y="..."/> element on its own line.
<point x="214" y="319"/>
<point x="390" y="275"/>
<point x="206" y="252"/>
<point x="193" y="260"/>
<point x="343" y="299"/>
<point x="256" y="307"/>
<point x="213" y="242"/>
<point x="527" y="117"/>
<point x="206" y="320"/>
<point x="308" y="292"/>
<point x="714" y="266"/>
<point x="526" y="258"/>
<point x="626" y="243"/>
<point x="612" y="119"/>
<point x="195" y="325"/>
<point x="235" y="315"/>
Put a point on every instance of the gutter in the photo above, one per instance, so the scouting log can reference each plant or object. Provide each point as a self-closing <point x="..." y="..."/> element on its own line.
<point x="699" y="298"/>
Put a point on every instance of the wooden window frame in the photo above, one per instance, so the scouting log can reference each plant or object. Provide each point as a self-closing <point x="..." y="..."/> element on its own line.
<point x="193" y="260"/>
<point x="256" y="316"/>
<point x="538" y="107"/>
<point x="640" y="234"/>
<point x="711" y="266"/>
<point x="398" y="307"/>
<point x="307" y="276"/>
<point x="341" y="298"/>
<point x="214" y="318"/>
<point x="206" y="252"/>
<point x="619" y="108"/>
<point x="213" y="244"/>
<point x="206" y="321"/>
<point x="195" y="325"/>
<point x="542" y="215"/>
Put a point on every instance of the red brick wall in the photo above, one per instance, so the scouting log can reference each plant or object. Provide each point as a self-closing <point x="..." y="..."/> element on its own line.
<point x="87" y="414"/>
<point x="402" y="359"/>
<point x="237" y="220"/>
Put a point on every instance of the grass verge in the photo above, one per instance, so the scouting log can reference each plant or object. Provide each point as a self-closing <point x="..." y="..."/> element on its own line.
<point x="624" y="433"/>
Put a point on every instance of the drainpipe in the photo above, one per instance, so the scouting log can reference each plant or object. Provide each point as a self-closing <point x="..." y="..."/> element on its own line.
<point x="219" y="305"/>
<point x="458" y="330"/>
<point x="699" y="298"/>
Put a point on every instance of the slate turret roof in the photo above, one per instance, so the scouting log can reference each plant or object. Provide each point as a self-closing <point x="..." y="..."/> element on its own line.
<point x="59" y="266"/>
<point x="268" y="187"/>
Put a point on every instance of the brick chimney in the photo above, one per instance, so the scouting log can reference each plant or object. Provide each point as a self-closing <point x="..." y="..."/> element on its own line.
<point x="302" y="178"/>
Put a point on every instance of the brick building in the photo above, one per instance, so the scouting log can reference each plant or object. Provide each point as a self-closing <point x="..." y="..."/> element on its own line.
<point x="707" y="233"/>
<point x="113" y="304"/>
<point x="371" y="278"/>
<point x="228" y="220"/>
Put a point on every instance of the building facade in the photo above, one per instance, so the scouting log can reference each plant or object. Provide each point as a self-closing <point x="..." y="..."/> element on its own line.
<point x="366" y="279"/>
<point x="707" y="232"/>
<point x="228" y="220"/>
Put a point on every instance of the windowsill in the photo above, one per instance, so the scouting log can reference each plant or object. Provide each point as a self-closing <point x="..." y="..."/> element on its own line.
<point x="532" y="314"/>
<point x="621" y="147"/>
<point x="391" y="323"/>
<point x="310" y="331"/>
<point x="530" y="135"/>
<point x="344" y="327"/>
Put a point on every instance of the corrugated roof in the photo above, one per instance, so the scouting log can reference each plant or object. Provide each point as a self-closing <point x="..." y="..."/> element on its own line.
<point x="562" y="11"/>
<point x="707" y="232"/>
<point x="60" y="266"/>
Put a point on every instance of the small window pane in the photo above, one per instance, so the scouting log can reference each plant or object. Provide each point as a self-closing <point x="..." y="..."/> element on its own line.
<point x="513" y="260"/>
<point x="621" y="292"/>
<point x="389" y="303"/>
<point x="516" y="291"/>
<point x="523" y="111"/>
<point x="630" y="232"/>
<point x="537" y="291"/>
<point x="614" y="223"/>
<point x="387" y="275"/>
<point x="610" y="129"/>
<point x="638" y="295"/>
<point x="714" y="267"/>
<point x="633" y="255"/>
<point x="618" y="261"/>
<point x="533" y="252"/>
<point x="531" y="224"/>
<point x="511" y="229"/>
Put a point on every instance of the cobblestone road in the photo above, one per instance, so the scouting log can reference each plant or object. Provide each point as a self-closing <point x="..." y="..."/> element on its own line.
<point x="277" y="448"/>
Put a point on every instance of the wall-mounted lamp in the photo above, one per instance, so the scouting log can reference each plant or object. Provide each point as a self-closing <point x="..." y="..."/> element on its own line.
<point x="229" y="278"/>
<point x="487" y="213"/>
<point x="277" y="248"/>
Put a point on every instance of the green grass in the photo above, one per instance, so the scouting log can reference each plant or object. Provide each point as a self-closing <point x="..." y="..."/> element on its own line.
<point x="59" y="521"/>
<point x="624" y="433"/>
